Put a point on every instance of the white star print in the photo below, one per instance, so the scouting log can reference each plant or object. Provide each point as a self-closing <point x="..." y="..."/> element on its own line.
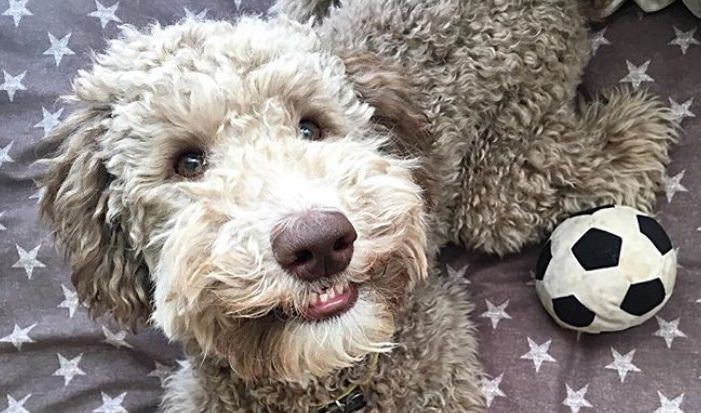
<point x="17" y="9"/>
<point x="490" y="389"/>
<point x="669" y="330"/>
<point x="684" y="39"/>
<point x="199" y="16"/>
<point x="636" y="74"/>
<point x="2" y="227"/>
<point x="575" y="399"/>
<point x="70" y="301"/>
<point x="673" y="185"/>
<point x="28" y="260"/>
<point x="69" y="368"/>
<point x="238" y="4"/>
<point x="161" y="371"/>
<point x="681" y="111"/>
<point x="19" y="336"/>
<point x="5" y="154"/>
<point x="538" y="353"/>
<point x="105" y="14"/>
<point x="12" y="84"/>
<point x="622" y="364"/>
<point x="49" y="121"/>
<point x="496" y="313"/>
<point x="59" y="48"/>
<point x="597" y="40"/>
<point x="111" y="405"/>
<point x="38" y="194"/>
<point x="115" y="339"/>
<point x="457" y="273"/>
<point x="16" y="406"/>
<point x="670" y="406"/>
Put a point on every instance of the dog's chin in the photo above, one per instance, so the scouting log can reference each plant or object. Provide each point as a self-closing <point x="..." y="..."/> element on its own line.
<point x="331" y="335"/>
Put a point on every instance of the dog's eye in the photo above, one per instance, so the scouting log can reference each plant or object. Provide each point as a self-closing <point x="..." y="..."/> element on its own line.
<point x="190" y="164"/>
<point x="309" y="130"/>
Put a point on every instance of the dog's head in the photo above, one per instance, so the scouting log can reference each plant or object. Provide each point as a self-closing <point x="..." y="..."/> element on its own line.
<point x="244" y="189"/>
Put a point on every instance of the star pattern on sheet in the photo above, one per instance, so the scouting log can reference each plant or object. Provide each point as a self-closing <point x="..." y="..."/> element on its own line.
<point x="575" y="399"/>
<point x="684" y="39"/>
<point x="669" y="330"/>
<point x="116" y="339"/>
<point x="490" y="388"/>
<point x="12" y="83"/>
<point x="16" y="10"/>
<point x="161" y="371"/>
<point x="597" y="40"/>
<point x="49" y="120"/>
<point x="673" y="185"/>
<point x="637" y="74"/>
<point x="201" y="15"/>
<point x="5" y="154"/>
<point x="69" y="368"/>
<point x="458" y="272"/>
<point x="538" y="353"/>
<point x="622" y="363"/>
<point x="70" y="300"/>
<point x="19" y="336"/>
<point x="670" y="406"/>
<point x="496" y="313"/>
<point x="112" y="404"/>
<point x="28" y="260"/>
<point x="681" y="110"/>
<point x="16" y="406"/>
<point x="59" y="47"/>
<point x="105" y="14"/>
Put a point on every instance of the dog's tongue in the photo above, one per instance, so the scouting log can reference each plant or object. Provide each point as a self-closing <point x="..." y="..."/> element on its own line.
<point x="331" y="303"/>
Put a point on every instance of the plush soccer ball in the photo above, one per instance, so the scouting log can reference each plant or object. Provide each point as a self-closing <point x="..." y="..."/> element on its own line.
<point x="606" y="269"/>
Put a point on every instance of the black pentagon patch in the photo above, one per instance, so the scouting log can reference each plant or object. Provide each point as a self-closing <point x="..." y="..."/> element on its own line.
<point x="597" y="249"/>
<point x="591" y="210"/>
<point x="643" y="297"/>
<point x="543" y="260"/>
<point x="655" y="233"/>
<point x="571" y="311"/>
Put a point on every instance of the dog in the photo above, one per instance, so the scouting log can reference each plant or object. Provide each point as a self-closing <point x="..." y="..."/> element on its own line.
<point x="272" y="193"/>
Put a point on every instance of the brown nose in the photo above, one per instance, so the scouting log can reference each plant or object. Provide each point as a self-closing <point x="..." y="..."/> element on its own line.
<point x="314" y="244"/>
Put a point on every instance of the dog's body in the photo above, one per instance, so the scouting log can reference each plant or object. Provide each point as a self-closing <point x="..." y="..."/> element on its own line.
<point x="442" y="121"/>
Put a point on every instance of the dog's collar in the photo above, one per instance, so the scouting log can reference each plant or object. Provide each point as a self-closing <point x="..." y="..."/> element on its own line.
<point x="354" y="398"/>
<point x="352" y="402"/>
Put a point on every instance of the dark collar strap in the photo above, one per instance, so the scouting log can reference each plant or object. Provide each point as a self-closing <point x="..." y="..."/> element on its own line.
<point x="352" y="402"/>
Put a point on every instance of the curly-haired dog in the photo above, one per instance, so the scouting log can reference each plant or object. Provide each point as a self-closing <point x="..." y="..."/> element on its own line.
<point x="272" y="194"/>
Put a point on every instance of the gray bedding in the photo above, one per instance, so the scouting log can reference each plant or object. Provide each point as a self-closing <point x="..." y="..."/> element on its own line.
<point x="53" y="358"/>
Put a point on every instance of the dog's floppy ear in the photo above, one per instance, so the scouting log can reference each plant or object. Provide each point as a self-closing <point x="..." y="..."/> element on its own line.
<point x="109" y="275"/>
<point x="383" y="84"/>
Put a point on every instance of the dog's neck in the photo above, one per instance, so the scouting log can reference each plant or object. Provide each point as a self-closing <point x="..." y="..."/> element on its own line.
<point x="335" y="393"/>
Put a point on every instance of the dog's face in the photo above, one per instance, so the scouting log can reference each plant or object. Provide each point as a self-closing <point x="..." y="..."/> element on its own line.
<point x="239" y="186"/>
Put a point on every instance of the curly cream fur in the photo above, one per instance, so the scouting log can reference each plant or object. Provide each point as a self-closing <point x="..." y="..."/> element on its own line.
<point x="444" y="121"/>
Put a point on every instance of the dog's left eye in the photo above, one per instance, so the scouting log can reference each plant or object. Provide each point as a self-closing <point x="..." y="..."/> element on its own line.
<point x="309" y="130"/>
<point x="191" y="164"/>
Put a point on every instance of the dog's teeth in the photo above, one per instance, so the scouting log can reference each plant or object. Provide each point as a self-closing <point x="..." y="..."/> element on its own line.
<point x="324" y="297"/>
<point x="315" y="297"/>
<point x="331" y="292"/>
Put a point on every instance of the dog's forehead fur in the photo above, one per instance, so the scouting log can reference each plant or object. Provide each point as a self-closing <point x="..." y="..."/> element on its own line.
<point x="208" y="80"/>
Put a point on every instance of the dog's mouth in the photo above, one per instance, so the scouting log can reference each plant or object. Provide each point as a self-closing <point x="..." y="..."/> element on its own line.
<point x="330" y="302"/>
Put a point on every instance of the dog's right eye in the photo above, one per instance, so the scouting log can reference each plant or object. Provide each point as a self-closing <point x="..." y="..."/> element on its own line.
<point x="191" y="164"/>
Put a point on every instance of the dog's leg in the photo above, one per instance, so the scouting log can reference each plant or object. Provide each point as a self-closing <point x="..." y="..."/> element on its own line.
<point x="614" y="150"/>
<point x="303" y="10"/>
